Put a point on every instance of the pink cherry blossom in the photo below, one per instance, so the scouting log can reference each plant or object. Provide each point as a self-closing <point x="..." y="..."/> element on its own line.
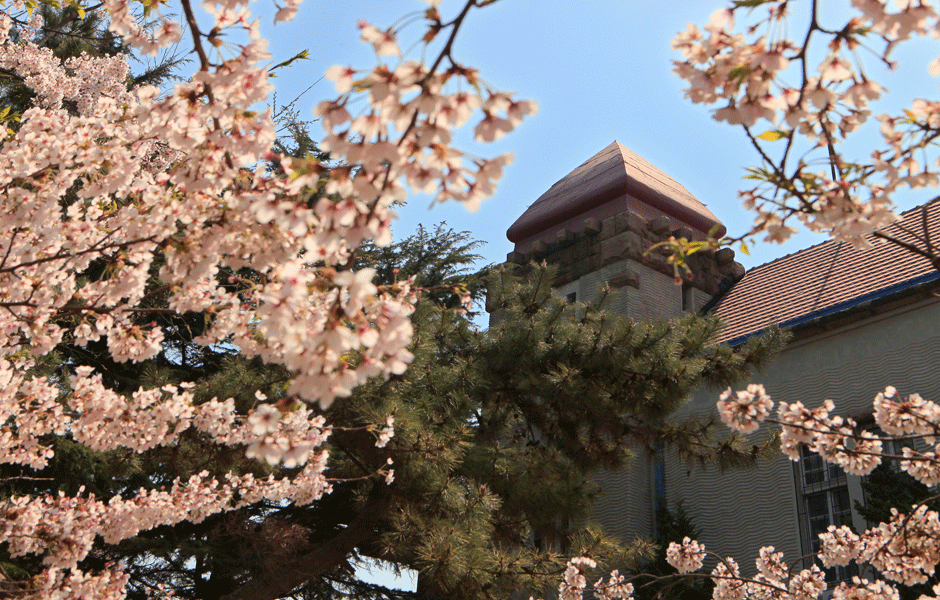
<point x="181" y="175"/>
<point x="687" y="556"/>
<point x="746" y="409"/>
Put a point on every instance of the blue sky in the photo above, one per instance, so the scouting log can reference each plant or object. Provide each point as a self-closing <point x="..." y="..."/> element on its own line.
<point x="600" y="70"/>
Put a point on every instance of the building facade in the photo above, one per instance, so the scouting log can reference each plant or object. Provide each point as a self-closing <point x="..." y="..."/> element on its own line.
<point x="861" y="319"/>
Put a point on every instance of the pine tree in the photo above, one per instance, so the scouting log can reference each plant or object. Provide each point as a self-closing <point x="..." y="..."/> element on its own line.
<point x="68" y="34"/>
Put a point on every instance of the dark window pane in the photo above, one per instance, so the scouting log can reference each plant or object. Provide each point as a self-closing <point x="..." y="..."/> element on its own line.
<point x="840" y="500"/>
<point x="813" y="468"/>
<point x="835" y="472"/>
<point x="817" y="506"/>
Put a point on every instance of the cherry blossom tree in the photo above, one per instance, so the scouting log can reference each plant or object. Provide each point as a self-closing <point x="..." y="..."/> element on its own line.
<point x="800" y="103"/>
<point x="130" y="214"/>
<point x="136" y="184"/>
<point x="802" y="100"/>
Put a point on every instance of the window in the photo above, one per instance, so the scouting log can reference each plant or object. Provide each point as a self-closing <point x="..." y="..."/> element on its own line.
<point x="688" y="298"/>
<point x="824" y="499"/>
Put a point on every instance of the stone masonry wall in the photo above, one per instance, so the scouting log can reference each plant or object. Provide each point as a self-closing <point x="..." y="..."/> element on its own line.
<point x="627" y="237"/>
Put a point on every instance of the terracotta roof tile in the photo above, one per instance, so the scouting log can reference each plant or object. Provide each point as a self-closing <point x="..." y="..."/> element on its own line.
<point x="825" y="279"/>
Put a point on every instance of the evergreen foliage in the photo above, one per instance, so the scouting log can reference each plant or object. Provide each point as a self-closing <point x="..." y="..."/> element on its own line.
<point x="442" y="262"/>
<point x="671" y="526"/>
<point x="68" y="34"/>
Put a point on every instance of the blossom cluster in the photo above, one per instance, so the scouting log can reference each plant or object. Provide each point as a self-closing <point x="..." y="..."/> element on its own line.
<point x="808" y="101"/>
<point x="410" y="102"/>
<point x="175" y="182"/>
<point x="755" y="74"/>
<point x="575" y="581"/>
<point x="687" y="556"/>
<point x="745" y="409"/>
<point x="774" y="579"/>
<point x="839" y="440"/>
<point x="906" y="549"/>
<point x="63" y="529"/>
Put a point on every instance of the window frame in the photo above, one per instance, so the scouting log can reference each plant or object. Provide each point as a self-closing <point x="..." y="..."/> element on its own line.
<point x="837" y="488"/>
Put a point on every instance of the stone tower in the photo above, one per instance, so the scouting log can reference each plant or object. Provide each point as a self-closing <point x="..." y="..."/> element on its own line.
<point x="597" y="223"/>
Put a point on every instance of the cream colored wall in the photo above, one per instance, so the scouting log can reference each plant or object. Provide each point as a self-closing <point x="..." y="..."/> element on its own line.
<point x="625" y="506"/>
<point x="700" y="298"/>
<point x="656" y="297"/>
<point x="740" y="511"/>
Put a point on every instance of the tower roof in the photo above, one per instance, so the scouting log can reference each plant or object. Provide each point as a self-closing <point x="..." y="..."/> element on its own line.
<point x="615" y="171"/>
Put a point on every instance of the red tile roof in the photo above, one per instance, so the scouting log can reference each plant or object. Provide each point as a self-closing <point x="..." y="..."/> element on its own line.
<point x="826" y="279"/>
<point x="612" y="171"/>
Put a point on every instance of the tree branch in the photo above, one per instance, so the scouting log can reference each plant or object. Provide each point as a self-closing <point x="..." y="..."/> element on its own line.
<point x="325" y="557"/>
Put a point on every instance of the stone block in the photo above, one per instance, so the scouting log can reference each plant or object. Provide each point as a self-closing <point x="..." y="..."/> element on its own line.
<point x="637" y="244"/>
<point x="637" y="223"/>
<point x="608" y="228"/>
<point x="659" y="225"/>
<point x="628" y="221"/>
<point x="625" y="278"/>
<point x="623" y="245"/>
<point x="657" y="260"/>
<point x="539" y="247"/>
<point x="591" y="226"/>
<point x="515" y="257"/>
<point x="724" y="256"/>
<point x="612" y="250"/>
<point x="702" y="264"/>
<point x="565" y="275"/>
<point x="588" y="262"/>
<point x="712" y="285"/>
<point x="683" y="232"/>
<point x="491" y="303"/>
<point x="564" y="238"/>
<point x="591" y="263"/>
